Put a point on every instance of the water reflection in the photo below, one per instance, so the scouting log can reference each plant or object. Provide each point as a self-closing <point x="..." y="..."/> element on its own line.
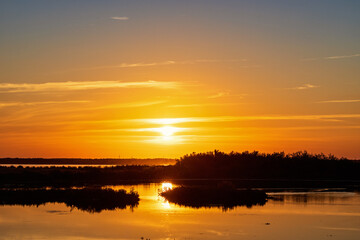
<point x="287" y="219"/>
<point x="316" y="197"/>
<point x="98" y="199"/>
<point x="165" y="186"/>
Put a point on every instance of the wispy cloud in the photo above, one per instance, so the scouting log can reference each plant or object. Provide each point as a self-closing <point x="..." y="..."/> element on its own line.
<point x="219" y="94"/>
<point x="245" y="118"/>
<point x="343" y="56"/>
<point x="219" y="60"/>
<point x="341" y="101"/>
<point x="16" y="104"/>
<point x="204" y="105"/>
<point x="120" y="18"/>
<point x="168" y="129"/>
<point x="333" y="57"/>
<point x="70" y="86"/>
<point x="132" y="104"/>
<point x="304" y="87"/>
<point x="215" y="119"/>
<point x="225" y="93"/>
<point x="132" y="65"/>
<point x="128" y="65"/>
<point x="163" y="63"/>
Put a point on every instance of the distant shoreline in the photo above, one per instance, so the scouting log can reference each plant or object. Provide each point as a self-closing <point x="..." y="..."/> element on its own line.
<point x="250" y="169"/>
<point x="87" y="161"/>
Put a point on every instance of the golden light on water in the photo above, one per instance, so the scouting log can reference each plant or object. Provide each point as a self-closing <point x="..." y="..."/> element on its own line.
<point x="166" y="186"/>
<point x="166" y="204"/>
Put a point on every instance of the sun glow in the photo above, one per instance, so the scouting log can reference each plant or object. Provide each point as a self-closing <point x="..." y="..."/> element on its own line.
<point x="166" y="134"/>
<point x="166" y="120"/>
<point x="167" y="131"/>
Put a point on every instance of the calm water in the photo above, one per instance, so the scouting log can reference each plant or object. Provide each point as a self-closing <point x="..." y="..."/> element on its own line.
<point x="314" y="215"/>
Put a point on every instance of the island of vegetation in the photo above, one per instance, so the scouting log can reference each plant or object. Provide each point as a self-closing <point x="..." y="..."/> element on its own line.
<point x="224" y="196"/>
<point x="86" y="199"/>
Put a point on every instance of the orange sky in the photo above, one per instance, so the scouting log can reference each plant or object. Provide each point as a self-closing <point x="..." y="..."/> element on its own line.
<point x="136" y="80"/>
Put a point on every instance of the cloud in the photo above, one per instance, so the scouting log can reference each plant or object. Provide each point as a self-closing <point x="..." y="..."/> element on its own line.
<point x="341" y="101"/>
<point x="131" y="65"/>
<point x="89" y="85"/>
<point x="219" y="60"/>
<point x="120" y="18"/>
<point x="160" y="129"/>
<point x="162" y="63"/>
<point x="16" y="104"/>
<point x="166" y="121"/>
<point x="304" y="87"/>
<point x="219" y="94"/>
<point x="204" y="105"/>
<point x="342" y="57"/>
<point x="128" y="65"/>
<point x="132" y="104"/>
<point x="333" y="57"/>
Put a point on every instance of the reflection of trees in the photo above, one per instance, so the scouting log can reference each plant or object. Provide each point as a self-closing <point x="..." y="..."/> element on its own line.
<point x="87" y="199"/>
<point x="313" y="197"/>
<point x="222" y="197"/>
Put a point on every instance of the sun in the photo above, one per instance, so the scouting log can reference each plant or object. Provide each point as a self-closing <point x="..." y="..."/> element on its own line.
<point x="166" y="134"/>
<point x="167" y="131"/>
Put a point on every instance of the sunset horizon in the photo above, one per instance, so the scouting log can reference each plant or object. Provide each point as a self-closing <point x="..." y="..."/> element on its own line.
<point x="179" y="119"/>
<point x="163" y="79"/>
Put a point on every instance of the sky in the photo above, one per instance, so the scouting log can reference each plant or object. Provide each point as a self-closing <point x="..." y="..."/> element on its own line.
<point x="166" y="78"/>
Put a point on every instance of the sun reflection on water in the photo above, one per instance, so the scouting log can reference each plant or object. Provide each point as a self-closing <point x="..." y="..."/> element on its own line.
<point x="165" y="186"/>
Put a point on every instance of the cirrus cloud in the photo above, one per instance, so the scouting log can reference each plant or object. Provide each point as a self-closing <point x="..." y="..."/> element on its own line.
<point x="86" y="85"/>
<point x="341" y="101"/>
<point x="304" y="87"/>
<point x="120" y="18"/>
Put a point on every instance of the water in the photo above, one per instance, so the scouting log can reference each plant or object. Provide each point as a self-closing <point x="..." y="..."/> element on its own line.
<point x="291" y="215"/>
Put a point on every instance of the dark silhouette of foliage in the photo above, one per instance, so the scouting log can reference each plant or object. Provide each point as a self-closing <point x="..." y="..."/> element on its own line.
<point x="80" y="176"/>
<point x="278" y="165"/>
<point x="253" y="169"/>
<point x="226" y="197"/>
<point x="91" y="200"/>
<point x="88" y="161"/>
